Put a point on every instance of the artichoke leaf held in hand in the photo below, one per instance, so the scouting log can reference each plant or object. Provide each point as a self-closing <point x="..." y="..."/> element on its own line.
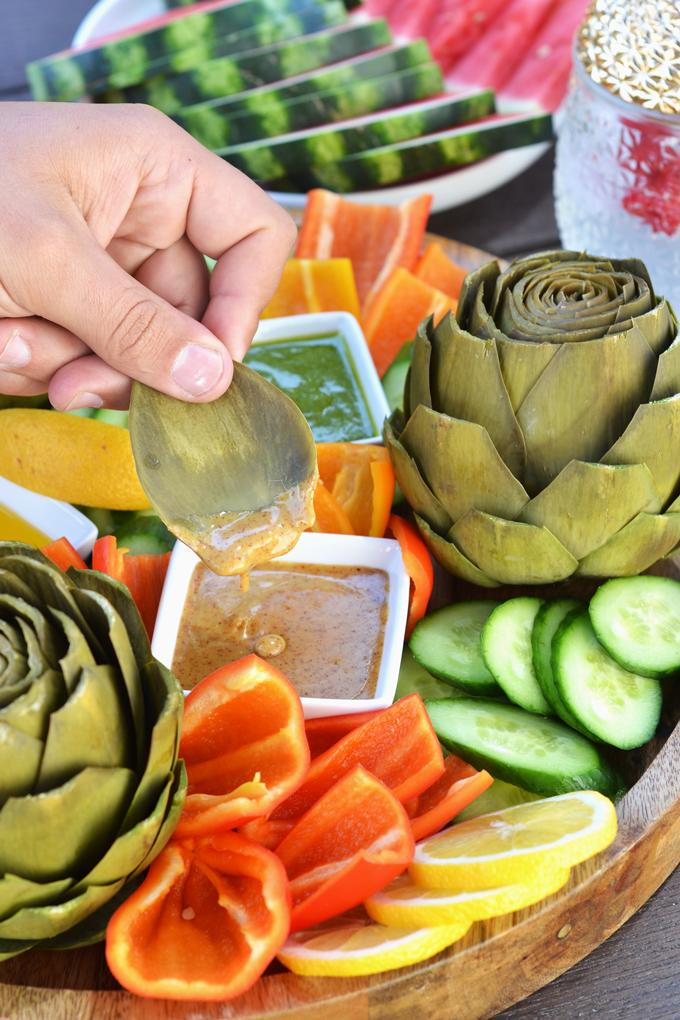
<point x="541" y="431"/>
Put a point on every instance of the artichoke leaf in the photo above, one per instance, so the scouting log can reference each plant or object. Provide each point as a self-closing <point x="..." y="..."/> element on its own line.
<point x="91" y="728"/>
<point x="163" y="744"/>
<point x="461" y="466"/>
<point x="178" y="795"/>
<point x="467" y="383"/>
<point x="588" y="503"/>
<point x="20" y="757"/>
<point x="118" y="595"/>
<point x="667" y="378"/>
<point x="16" y="893"/>
<point x="653" y="438"/>
<point x="646" y="539"/>
<point x="112" y="632"/>
<point x="63" y="833"/>
<point x="47" y="921"/>
<point x="657" y="326"/>
<point x="50" y="641"/>
<point x="15" y="663"/>
<point x="420" y="498"/>
<point x="93" y="928"/>
<point x="512" y="553"/>
<point x="450" y="558"/>
<point x="509" y="277"/>
<point x="130" y="850"/>
<point x="479" y="280"/>
<point x="30" y="712"/>
<point x="10" y="584"/>
<point x="419" y="385"/>
<point x="78" y="654"/>
<point x="583" y="402"/>
<point x="13" y="947"/>
<point x="522" y="365"/>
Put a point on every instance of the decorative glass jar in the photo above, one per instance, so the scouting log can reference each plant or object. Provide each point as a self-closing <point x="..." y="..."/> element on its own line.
<point x="617" y="180"/>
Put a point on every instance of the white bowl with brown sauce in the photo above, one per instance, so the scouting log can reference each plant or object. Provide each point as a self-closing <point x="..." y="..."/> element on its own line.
<point x="330" y="615"/>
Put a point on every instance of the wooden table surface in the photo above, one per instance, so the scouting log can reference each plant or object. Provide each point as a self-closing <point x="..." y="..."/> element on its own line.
<point x="635" y="975"/>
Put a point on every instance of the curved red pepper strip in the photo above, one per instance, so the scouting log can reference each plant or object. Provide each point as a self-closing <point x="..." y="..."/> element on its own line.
<point x="442" y="801"/>
<point x="243" y="742"/>
<point x="205" y="923"/>
<point x="144" y="575"/>
<point x="324" y="732"/>
<point x="418" y="567"/>
<point x="353" y="841"/>
<point x="64" y="555"/>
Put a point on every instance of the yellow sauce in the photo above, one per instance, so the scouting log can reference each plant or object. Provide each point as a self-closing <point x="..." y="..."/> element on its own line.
<point x="15" y="529"/>
<point x="322" y="626"/>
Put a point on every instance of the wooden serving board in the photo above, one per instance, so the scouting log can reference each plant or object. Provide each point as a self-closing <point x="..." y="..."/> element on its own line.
<point x="497" y="963"/>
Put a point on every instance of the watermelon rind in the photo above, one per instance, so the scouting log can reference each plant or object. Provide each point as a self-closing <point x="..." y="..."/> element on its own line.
<point x="226" y="76"/>
<point x="444" y="150"/>
<point x="215" y="128"/>
<point x="269" y="159"/>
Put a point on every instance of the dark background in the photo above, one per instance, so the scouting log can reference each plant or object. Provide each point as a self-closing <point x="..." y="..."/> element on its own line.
<point x="635" y="975"/>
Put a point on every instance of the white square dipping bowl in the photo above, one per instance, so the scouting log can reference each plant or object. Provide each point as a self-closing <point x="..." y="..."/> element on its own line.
<point x="54" y="518"/>
<point x="320" y="324"/>
<point x="333" y="550"/>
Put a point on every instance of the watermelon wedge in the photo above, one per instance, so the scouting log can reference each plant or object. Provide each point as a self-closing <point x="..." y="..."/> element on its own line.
<point x="543" y="76"/>
<point x="377" y="238"/>
<point x="457" y="25"/>
<point x="493" y="59"/>
<point x="412" y="18"/>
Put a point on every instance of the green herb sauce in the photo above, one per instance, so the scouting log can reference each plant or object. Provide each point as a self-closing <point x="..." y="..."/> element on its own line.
<point x="318" y="374"/>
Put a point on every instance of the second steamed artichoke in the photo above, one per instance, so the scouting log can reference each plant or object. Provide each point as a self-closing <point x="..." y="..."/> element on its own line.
<point x="541" y="429"/>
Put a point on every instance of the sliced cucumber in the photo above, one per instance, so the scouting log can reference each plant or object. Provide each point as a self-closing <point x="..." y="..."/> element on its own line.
<point x="111" y="417"/>
<point x="506" y="650"/>
<point x="395" y="377"/>
<point x="637" y="619"/>
<point x="496" y="797"/>
<point x="447" y="643"/>
<point x="541" y="755"/>
<point x="548" y="619"/>
<point x="413" y="679"/>
<point x="144" y="534"/>
<point x="618" y="707"/>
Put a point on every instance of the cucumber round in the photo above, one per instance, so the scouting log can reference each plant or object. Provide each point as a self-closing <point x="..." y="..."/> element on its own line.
<point x="447" y="643"/>
<point x="541" y="755"/>
<point x="506" y="650"/>
<point x="144" y="534"/>
<point x="618" y="707"/>
<point x="637" y="619"/>
<point x="549" y="617"/>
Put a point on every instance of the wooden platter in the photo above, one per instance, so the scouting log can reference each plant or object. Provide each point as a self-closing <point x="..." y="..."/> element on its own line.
<point x="496" y="964"/>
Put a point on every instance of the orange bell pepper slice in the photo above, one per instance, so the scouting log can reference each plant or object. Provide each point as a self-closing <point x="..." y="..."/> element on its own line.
<point x="442" y="801"/>
<point x="244" y="746"/>
<point x="324" y="732"/>
<point x="377" y="238"/>
<point x="331" y="519"/>
<point x="64" y="555"/>
<point x="361" y="479"/>
<point x="437" y="269"/>
<point x="398" y="745"/>
<point x="144" y="575"/>
<point x="354" y="840"/>
<point x="205" y="923"/>
<point x="314" y="285"/>
<point x="418" y="566"/>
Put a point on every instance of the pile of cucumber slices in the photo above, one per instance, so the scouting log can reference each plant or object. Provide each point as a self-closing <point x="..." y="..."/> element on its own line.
<point x="597" y="668"/>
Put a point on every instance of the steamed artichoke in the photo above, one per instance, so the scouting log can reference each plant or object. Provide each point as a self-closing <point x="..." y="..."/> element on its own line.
<point x="90" y="786"/>
<point x="541" y="430"/>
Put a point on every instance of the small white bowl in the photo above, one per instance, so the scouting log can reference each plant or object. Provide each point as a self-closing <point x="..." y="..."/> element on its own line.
<point x="336" y="550"/>
<point x="320" y="324"/>
<point x="54" y="518"/>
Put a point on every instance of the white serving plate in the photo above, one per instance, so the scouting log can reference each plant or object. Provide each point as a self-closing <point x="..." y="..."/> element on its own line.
<point x="319" y="324"/>
<point x="334" y="550"/>
<point x="448" y="190"/>
<point x="54" y="518"/>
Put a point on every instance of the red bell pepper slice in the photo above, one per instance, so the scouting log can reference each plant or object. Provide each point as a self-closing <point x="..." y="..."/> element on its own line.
<point x="266" y="831"/>
<point x="143" y="574"/>
<point x="64" y="555"/>
<point x="442" y="801"/>
<point x="353" y="841"/>
<point x="244" y="746"/>
<point x="205" y="923"/>
<point x="418" y="566"/>
<point x="399" y="746"/>
<point x="324" y="732"/>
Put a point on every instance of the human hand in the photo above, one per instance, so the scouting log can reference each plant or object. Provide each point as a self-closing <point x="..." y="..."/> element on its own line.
<point x="105" y="215"/>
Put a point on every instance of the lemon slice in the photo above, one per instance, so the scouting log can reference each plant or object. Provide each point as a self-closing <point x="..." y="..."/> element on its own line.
<point x="353" y="944"/>
<point x="535" y="840"/>
<point x="404" y="903"/>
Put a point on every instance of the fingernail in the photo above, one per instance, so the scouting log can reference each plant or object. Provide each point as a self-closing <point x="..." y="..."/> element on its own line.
<point x="84" y="399"/>
<point x="16" y="354"/>
<point x="197" y="369"/>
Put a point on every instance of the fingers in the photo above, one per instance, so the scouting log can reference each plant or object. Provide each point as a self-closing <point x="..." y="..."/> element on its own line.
<point x="89" y="382"/>
<point x="180" y="276"/>
<point x="31" y="351"/>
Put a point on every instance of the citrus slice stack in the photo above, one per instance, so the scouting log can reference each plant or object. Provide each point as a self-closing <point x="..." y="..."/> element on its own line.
<point x="352" y="944"/>
<point x="539" y="840"/>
